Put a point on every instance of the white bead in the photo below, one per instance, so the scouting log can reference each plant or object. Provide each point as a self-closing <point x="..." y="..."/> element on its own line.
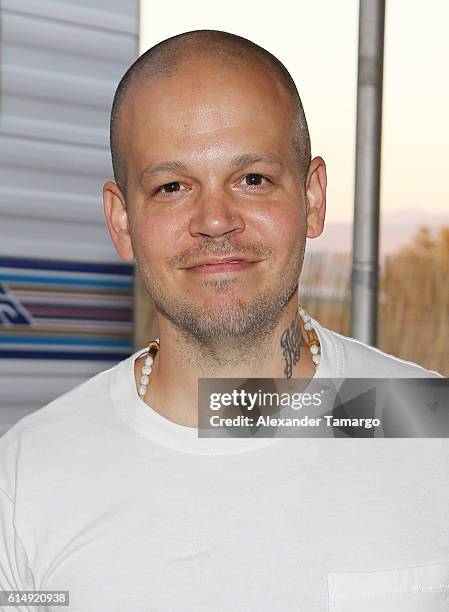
<point x="142" y="390"/>
<point x="146" y="369"/>
<point x="308" y="326"/>
<point x="314" y="349"/>
<point x="144" y="380"/>
<point x="316" y="359"/>
<point x="149" y="361"/>
<point x="306" y="318"/>
<point x="302" y="312"/>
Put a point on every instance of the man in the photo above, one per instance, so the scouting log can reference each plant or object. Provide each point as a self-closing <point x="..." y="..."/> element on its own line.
<point x="109" y="493"/>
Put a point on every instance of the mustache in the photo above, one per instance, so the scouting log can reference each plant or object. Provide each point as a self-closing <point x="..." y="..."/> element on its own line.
<point x="225" y="247"/>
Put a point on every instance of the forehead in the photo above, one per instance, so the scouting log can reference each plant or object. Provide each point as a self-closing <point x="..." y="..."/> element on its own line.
<point x="204" y="104"/>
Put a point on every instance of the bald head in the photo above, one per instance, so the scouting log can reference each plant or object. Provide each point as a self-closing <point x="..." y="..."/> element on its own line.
<point x="166" y="58"/>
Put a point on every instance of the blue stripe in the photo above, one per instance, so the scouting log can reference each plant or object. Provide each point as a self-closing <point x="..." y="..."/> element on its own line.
<point x="61" y="316"/>
<point x="75" y="266"/>
<point x="53" y="301"/>
<point x="50" y="280"/>
<point x="52" y="340"/>
<point x="59" y="355"/>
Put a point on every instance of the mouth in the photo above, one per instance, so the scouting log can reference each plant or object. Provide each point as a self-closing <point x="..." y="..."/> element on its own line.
<point x="227" y="264"/>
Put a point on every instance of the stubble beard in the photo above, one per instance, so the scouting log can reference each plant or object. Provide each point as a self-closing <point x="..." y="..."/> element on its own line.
<point x="230" y="324"/>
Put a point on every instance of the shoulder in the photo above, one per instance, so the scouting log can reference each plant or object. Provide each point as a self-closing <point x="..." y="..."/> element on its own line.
<point x="49" y="443"/>
<point x="69" y="405"/>
<point x="359" y="360"/>
<point x="54" y="425"/>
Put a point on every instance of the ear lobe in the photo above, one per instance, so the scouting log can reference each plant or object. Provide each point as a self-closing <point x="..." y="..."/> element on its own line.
<point x="116" y="216"/>
<point x="316" y="184"/>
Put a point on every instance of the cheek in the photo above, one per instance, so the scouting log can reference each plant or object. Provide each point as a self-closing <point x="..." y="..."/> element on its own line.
<point x="282" y="224"/>
<point x="157" y="237"/>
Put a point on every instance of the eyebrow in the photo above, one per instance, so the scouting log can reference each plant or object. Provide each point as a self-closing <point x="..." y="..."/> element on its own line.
<point x="166" y="166"/>
<point x="240" y="161"/>
<point x="252" y="158"/>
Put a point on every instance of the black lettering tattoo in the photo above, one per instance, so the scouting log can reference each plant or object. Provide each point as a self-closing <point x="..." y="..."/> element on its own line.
<point x="291" y="342"/>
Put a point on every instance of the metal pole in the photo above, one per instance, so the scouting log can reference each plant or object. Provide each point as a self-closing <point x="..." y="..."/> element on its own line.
<point x="365" y="252"/>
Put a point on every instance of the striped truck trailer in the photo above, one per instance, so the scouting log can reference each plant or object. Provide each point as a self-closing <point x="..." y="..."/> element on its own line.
<point x="66" y="300"/>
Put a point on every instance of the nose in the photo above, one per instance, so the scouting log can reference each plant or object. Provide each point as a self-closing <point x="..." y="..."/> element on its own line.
<point x="214" y="215"/>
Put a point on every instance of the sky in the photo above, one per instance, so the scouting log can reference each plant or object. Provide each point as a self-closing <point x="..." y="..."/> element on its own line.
<point x="317" y="41"/>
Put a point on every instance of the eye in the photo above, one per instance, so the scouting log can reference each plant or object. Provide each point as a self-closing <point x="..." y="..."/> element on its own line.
<point x="255" y="180"/>
<point x="168" y="188"/>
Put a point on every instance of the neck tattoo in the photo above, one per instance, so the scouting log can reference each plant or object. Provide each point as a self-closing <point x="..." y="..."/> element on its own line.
<point x="291" y="342"/>
<point x="299" y="333"/>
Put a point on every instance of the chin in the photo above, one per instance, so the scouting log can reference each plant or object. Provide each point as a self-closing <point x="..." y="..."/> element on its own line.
<point x="225" y="318"/>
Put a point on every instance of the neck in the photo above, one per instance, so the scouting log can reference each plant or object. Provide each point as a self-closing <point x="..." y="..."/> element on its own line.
<point x="181" y="360"/>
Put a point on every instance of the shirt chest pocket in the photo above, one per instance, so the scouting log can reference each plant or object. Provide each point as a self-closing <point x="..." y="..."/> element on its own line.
<point x="407" y="589"/>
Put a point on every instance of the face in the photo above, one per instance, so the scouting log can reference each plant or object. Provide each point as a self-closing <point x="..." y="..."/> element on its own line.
<point x="216" y="212"/>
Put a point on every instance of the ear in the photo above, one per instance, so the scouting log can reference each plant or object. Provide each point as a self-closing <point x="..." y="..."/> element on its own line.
<point x="116" y="217"/>
<point x="316" y="183"/>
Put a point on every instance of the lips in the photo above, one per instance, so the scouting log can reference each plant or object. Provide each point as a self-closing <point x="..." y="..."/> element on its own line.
<point x="214" y="265"/>
<point x="220" y="261"/>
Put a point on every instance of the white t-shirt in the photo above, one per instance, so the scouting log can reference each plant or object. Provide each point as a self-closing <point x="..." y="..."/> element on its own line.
<point x="102" y="496"/>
